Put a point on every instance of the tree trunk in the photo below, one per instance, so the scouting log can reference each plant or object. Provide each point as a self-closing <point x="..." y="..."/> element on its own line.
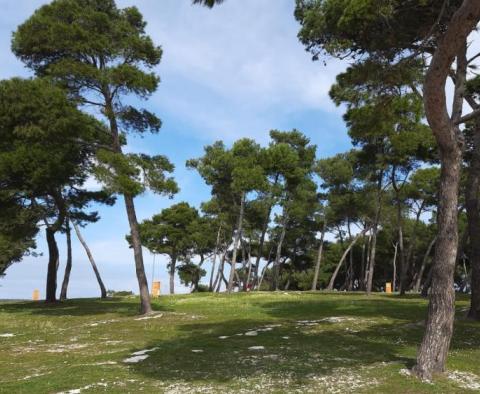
<point x="236" y="242"/>
<point x="145" y="303"/>
<point x="173" y="263"/>
<point x="424" y="264"/>
<point x="217" y="283"/>
<point x="319" y="260"/>
<point x="262" y="243"/>
<point x="278" y="255"/>
<point x="68" y="267"/>
<point x="103" y="290"/>
<point x="472" y="189"/>
<point x="432" y="354"/>
<point x="339" y="265"/>
<point x="217" y="244"/>
<point x="394" y="281"/>
<point x="371" y="259"/>
<point x="413" y="242"/>
<point x="52" y="266"/>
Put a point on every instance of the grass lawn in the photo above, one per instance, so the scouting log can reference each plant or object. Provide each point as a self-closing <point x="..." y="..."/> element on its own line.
<point x="209" y="343"/>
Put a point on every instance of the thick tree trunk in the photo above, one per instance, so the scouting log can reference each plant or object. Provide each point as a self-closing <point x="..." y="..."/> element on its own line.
<point x="103" y="290"/>
<point x="278" y="255"/>
<point x="339" y="265"/>
<point x="424" y="264"/>
<point x="319" y="261"/>
<point x="433" y="350"/>
<point x="238" y="234"/>
<point x="53" y="257"/>
<point x="472" y="189"/>
<point x="68" y="267"/>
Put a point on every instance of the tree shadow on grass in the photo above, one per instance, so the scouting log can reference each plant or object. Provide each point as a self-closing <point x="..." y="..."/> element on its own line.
<point x="289" y="351"/>
<point x="79" y="307"/>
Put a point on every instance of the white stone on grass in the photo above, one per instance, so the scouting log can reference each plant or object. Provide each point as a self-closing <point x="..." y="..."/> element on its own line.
<point x="150" y="317"/>
<point x="256" y="348"/>
<point x="7" y="335"/>
<point x="136" y="359"/>
<point x="251" y="333"/>
<point x="197" y="351"/>
<point x="223" y="337"/>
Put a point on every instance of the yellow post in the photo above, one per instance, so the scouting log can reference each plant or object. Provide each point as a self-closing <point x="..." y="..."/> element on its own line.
<point x="156" y="289"/>
<point x="388" y="288"/>
<point x="36" y="295"/>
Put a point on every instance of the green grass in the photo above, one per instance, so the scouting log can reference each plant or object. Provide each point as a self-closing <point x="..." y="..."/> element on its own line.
<point x="81" y="344"/>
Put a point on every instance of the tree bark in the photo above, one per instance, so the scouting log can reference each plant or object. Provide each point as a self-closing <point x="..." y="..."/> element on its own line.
<point x="52" y="266"/>
<point x="424" y="264"/>
<point x="394" y="279"/>
<point x="339" y="265"/>
<point x="371" y="259"/>
<point x="278" y="255"/>
<point x="68" y="267"/>
<point x="103" y="290"/>
<point x="145" y="303"/>
<point x="319" y="260"/>
<point x="173" y="263"/>
<point x="215" y="253"/>
<point x="433" y="350"/>
<point x="238" y="234"/>
<point x="472" y="189"/>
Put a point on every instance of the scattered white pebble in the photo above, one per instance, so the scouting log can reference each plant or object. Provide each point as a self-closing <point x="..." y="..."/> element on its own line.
<point x="7" y="335"/>
<point x="251" y="333"/>
<point x="223" y="337"/>
<point x="150" y="317"/>
<point x="405" y="372"/>
<point x="135" y="359"/>
<point x="285" y="337"/>
<point x="197" y="351"/>
<point x="465" y="380"/>
<point x="143" y="352"/>
<point x="256" y="348"/>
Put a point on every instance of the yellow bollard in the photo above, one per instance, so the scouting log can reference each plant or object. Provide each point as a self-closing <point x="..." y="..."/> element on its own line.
<point x="36" y="295"/>
<point x="156" y="289"/>
<point x="388" y="288"/>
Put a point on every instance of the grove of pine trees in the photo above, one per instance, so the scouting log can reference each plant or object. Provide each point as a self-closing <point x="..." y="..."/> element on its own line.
<point x="401" y="206"/>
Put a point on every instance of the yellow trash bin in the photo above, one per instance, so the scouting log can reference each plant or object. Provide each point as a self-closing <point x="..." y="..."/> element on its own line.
<point x="388" y="288"/>
<point x="36" y="295"/>
<point x="156" y="289"/>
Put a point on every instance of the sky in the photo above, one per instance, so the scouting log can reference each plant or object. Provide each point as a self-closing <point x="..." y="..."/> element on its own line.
<point x="235" y="71"/>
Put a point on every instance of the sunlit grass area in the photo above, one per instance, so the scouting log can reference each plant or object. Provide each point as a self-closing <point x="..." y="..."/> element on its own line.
<point x="250" y="342"/>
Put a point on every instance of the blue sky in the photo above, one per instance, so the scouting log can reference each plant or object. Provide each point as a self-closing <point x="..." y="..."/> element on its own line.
<point x="235" y="71"/>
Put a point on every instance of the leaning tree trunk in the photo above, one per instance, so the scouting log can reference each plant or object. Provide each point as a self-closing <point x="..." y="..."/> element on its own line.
<point x="145" y="303"/>
<point x="339" y="265"/>
<point x="319" y="260"/>
<point x="53" y="259"/>
<point x="68" y="267"/>
<point x="473" y="216"/>
<point x="418" y="282"/>
<point x="432" y="354"/>
<point x="236" y="242"/>
<point x="276" y="264"/>
<point x="103" y="290"/>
